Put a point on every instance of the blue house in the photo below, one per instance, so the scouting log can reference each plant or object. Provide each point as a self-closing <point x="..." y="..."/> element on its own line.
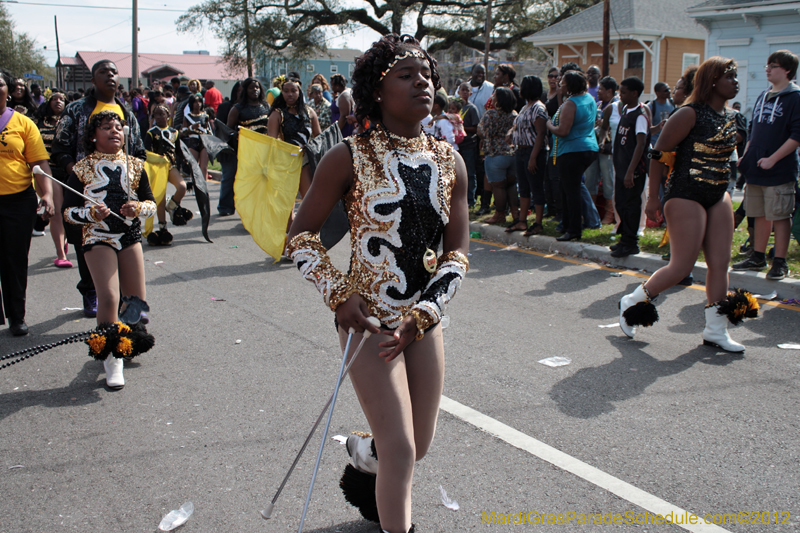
<point x="333" y="61"/>
<point x="749" y="31"/>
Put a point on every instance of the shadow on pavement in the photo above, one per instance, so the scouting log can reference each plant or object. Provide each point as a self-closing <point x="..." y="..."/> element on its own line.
<point x="591" y="392"/>
<point x="358" y="526"/>
<point x="82" y="390"/>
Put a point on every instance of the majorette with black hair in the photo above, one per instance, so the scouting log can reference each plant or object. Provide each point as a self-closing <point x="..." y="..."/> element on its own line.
<point x="112" y="248"/>
<point x="405" y="193"/>
<point x="697" y="207"/>
<point x="161" y="139"/>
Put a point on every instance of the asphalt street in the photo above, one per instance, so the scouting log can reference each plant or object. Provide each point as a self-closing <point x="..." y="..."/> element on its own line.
<point x="246" y="356"/>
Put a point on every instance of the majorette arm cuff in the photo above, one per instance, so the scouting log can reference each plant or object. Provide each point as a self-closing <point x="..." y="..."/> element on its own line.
<point x="443" y="285"/>
<point x="145" y="209"/>
<point x="312" y="260"/>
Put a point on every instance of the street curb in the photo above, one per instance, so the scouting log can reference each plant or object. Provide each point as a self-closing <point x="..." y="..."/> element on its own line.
<point x="755" y="282"/>
<point x="215" y="174"/>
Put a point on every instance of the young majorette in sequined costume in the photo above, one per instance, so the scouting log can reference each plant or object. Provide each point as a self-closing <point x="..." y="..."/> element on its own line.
<point x="702" y="135"/>
<point x="405" y="194"/>
<point x="113" y="249"/>
<point x="161" y="139"/>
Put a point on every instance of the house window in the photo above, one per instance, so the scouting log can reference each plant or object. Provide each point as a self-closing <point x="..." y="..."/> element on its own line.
<point x="690" y="59"/>
<point x="309" y="68"/>
<point x="634" y="64"/>
<point x="334" y="69"/>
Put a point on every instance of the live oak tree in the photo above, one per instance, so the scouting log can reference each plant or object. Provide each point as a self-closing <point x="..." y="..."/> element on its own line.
<point x="18" y="53"/>
<point x="299" y="25"/>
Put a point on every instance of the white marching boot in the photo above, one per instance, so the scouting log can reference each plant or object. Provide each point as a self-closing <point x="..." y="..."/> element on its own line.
<point x="113" y="367"/>
<point x="361" y="449"/>
<point x="716" y="332"/>
<point x="644" y="314"/>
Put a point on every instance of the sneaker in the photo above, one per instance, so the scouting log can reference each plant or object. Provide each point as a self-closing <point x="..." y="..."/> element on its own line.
<point x="747" y="247"/>
<point x="779" y="270"/>
<point x="90" y="304"/>
<point x="750" y="264"/>
<point x="37" y="233"/>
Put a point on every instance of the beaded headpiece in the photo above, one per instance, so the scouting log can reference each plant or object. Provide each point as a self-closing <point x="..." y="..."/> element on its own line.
<point x="730" y="67"/>
<point x="400" y="57"/>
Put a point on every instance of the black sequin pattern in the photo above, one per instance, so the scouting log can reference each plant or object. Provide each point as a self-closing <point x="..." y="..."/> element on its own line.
<point x="702" y="160"/>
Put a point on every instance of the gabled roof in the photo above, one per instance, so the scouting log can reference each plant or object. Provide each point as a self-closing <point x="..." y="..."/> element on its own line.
<point x="197" y="66"/>
<point x="156" y="68"/>
<point x="649" y="17"/>
<point x="732" y="4"/>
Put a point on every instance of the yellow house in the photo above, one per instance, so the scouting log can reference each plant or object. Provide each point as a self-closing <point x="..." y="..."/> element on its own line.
<point x="654" y="40"/>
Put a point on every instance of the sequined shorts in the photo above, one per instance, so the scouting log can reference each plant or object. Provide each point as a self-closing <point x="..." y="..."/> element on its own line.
<point x="706" y="196"/>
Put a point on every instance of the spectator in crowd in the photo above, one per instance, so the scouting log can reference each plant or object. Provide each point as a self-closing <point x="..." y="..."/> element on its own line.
<point x="23" y="149"/>
<point x="684" y="86"/>
<point x="770" y="164"/>
<point x="343" y="106"/>
<point x="469" y="146"/>
<point x="481" y="89"/>
<point x="69" y="148"/>
<point x="593" y="79"/>
<point x="741" y="141"/>
<point x="140" y="111"/>
<point x="320" y="80"/>
<point x="36" y="94"/>
<point x="575" y="147"/>
<point x="46" y="120"/>
<point x="530" y="130"/>
<point x="195" y="87"/>
<point x="213" y="97"/>
<point x="660" y="110"/>
<point x="493" y="131"/>
<point x="320" y="105"/>
<point x="443" y="129"/>
<point x="175" y="83"/>
<point x="602" y="170"/>
<point x="696" y="205"/>
<point x="226" y="105"/>
<point x="169" y="98"/>
<point x="552" y="187"/>
<point x="252" y="112"/>
<point x="178" y="108"/>
<point x="630" y="149"/>
<point x="504" y="76"/>
<point x="20" y="99"/>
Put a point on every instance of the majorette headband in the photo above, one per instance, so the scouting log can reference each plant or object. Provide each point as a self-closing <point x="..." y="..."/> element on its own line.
<point x="400" y="57"/>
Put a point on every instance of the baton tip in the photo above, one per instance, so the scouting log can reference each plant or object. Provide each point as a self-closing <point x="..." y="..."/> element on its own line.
<point x="37" y="170"/>
<point x="266" y="514"/>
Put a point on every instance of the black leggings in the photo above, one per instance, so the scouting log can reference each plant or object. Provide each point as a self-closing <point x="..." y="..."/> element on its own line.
<point x="571" y="167"/>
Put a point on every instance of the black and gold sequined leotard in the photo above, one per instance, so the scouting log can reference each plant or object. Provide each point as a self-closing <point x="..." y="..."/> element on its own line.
<point x="702" y="160"/>
<point x="398" y="206"/>
<point x="102" y="177"/>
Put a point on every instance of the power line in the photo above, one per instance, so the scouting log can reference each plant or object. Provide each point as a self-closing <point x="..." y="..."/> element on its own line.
<point x="101" y="7"/>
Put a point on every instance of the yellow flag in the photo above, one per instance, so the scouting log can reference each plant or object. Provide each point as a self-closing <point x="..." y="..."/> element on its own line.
<point x="265" y="189"/>
<point x="157" y="168"/>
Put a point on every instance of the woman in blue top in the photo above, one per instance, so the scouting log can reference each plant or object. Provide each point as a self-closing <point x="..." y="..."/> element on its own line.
<point x="573" y="128"/>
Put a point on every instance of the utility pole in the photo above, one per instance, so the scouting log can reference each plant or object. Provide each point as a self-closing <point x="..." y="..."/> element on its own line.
<point x="247" y="40"/>
<point x="58" y="53"/>
<point x="606" y="38"/>
<point x="135" y="47"/>
<point x="487" y="36"/>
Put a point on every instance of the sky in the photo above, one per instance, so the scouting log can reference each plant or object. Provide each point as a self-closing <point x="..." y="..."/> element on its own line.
<point x="110" y="30"/>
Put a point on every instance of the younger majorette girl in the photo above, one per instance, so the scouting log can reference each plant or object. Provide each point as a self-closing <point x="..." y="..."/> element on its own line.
<point x="113" y="249"/>
<point x="161" y="139"/>
<point x="405" y="193"/>
<point x="702" y="135"/>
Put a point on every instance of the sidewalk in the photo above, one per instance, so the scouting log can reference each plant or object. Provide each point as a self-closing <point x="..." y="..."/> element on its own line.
<point x="755" y="282"/>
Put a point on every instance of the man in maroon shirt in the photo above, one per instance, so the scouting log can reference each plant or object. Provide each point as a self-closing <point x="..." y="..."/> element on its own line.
<point x="213" y="97"/>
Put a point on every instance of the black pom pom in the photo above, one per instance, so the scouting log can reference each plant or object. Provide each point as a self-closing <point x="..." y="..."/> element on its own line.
<point x="359" y="490"/>
<point x="739" y="305"/>
<point x="642" y="314"/>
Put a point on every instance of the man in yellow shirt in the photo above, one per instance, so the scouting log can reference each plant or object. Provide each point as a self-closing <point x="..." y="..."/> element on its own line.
<point x="21" y="148"/>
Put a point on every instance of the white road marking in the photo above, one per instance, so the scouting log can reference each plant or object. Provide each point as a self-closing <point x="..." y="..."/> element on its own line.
<point x="575" y="466"/>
